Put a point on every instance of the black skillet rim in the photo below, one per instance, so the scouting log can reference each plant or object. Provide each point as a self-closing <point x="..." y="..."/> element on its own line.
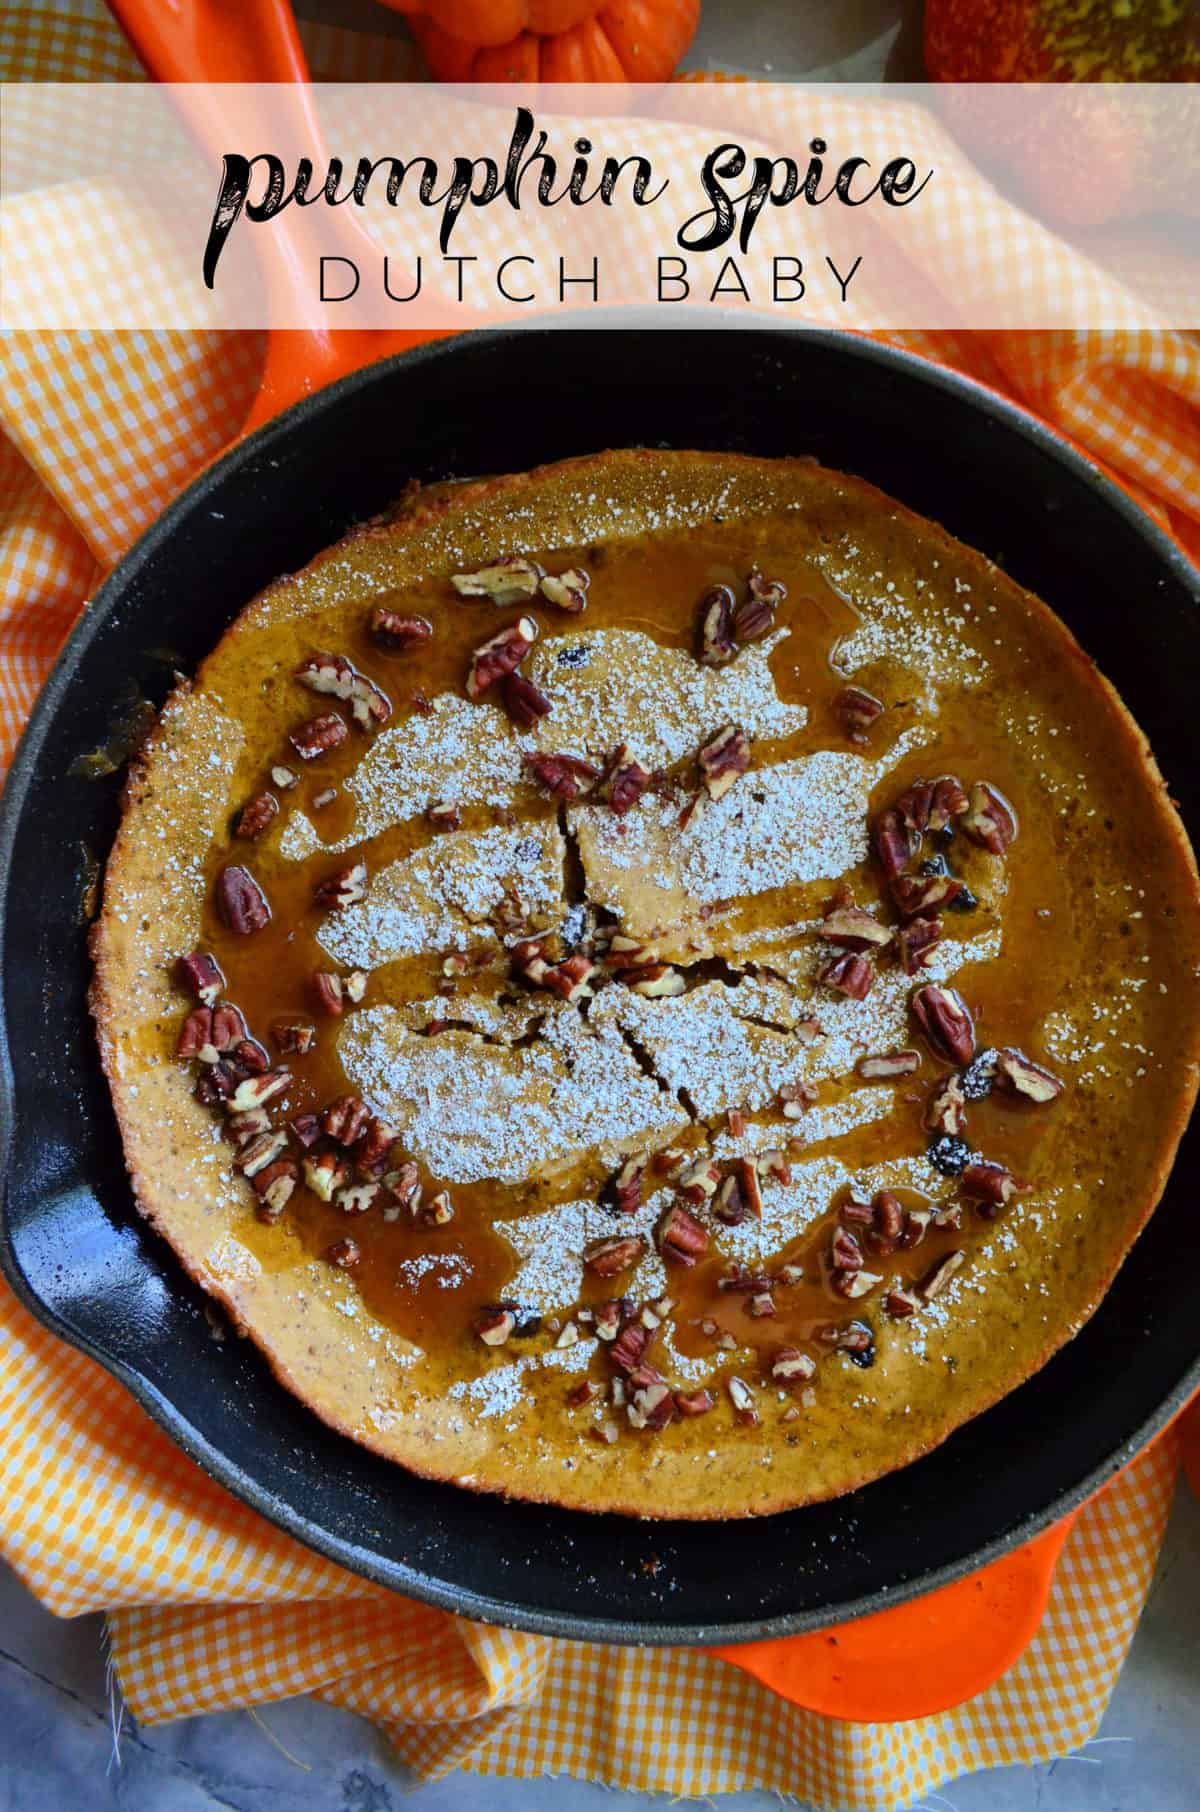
<point x="364" y="1562"/>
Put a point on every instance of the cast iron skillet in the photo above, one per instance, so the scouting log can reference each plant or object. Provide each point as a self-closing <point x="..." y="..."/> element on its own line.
<point x="82" y="1261"/>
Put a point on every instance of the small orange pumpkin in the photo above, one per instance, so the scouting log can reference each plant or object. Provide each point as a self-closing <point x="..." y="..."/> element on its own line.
<point x="551" y="40"/>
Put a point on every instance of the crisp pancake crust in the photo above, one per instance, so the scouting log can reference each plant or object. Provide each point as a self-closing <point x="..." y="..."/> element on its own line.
<point x="1082" y="949"/>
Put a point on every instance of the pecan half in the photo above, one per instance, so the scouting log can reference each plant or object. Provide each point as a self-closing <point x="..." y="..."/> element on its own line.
<point x="506" y="581"/>
<point x="724" y="760"/>
<point x="566" y="776"/>
<point x="915" y="943"/>
<point x="567" y="590"/>
<point x="947" y="1108"/>
<point x="344" y="888"/>
<point x="892" y="843"/>
<point x="625" y="1187"/>
<point x="1020" y="1075"/>
<point x="200" y="974"/>
<point x="327" y="991"/>
<point x="845" y="1253"/>
<point x="630" y="1347"/>
<point x="889" y="1219"/>
<point x="943" y="1016"/>
<point x="935" y="1281"/>
<point x="991" y="1185"/>
<point x="318" y="735"/>
<point x="396" y="633"/>
<point x="849" y="974"/>
<point x="856" y="710"/>
<point x="887" y="1066"/>
<point x="739" y="1196"/>
<point x="524" y="702"/>
<point x="501" y="655"/>
<point x="681" y="1237"/>
<point x="241" y="902"/>
<point x="345" y="1119"/>
<point x="916" y="895"/>
<point x="255" y="816"/>
<point x="755" y="615"/>
<point x="715" y="645"/>
<point x="608" y="1257"/>
<point x="989" y="819"/>
<point x="851" y="928"/>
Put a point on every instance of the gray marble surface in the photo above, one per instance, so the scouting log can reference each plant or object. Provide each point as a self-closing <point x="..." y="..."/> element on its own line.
<point x="59" y="1749"/>
<point x="58" y="1752"/>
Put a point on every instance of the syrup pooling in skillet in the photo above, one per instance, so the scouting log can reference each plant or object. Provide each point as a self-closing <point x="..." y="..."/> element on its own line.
<point x="443" y="981"/>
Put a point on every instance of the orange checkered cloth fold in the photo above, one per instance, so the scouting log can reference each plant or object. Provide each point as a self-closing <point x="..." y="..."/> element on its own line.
<point x="209" y="1606"/>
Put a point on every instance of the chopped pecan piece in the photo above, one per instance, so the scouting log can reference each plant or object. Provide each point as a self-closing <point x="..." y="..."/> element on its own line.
<point x="326" y="797"/>
<point x="346" y="887"/>
<point x="887" y="1066"/>
<point x="914" y="806"/>
<point x="948" y="801"/>
<point x="915" y="943"/>
<point x="754" y="617"/>
<point x="851" y="928"/>
<point x="791" y="1366"/>
<point x="1020" y="1075"/>
<point x="506" y="581"/>
<point x="715" y="645"/>
<point x="196" y="1036"/>
<point x="357" y="1198"/>
<point x="257" y="1090"/>
<point x="241" y="1128"/>
<point x="916" y="1224"/>
<point x="396" y="633"/>
<point x="889" y="1218"/>
<point x="438" y="1211"/>
<point x="583" y="1392"/>
<point x="893" y="844"/>
<point x="856" y="710"/>
<point x="608" y="1317"/>
<point x="355" y="986"/>
<point x="724" y="760"/>
<point x="772" y="1166"/>
<point x="848" y="974"/>
<point x="853" y="1337"/>
<point x="856" y="1283"/>
<point x="571" y="979"/>
<point x="694" y="1402"/>
<point x="916" y="895"/>
<point x="935" y="1281"/>
<point x="991" y="1185"/>
<point x="856" y="1214"/>
<point x="327" y="988"/>
<point x="325" y="1173"/>
<point x="743" y="1282"/>
<point x="501" y="655"/>
<point x="294" y="1036"/>
<point x="255" y="816"/>
<point x="739" y="1196"/>
<point x="200" y="974"/>
<point x="566" y="776"/>
<point x="761" y="1305"/>
<point x="742" y="1398"/>
<point x="845" y="1253"/>
<point x="989" y="819"/>
<point x="942" y="1015"/>
<point x="525" y="703"/>
<point x="567" y="590"/>
<point x="900" y="1304"/>
<point x="305" y="1130"/>
<point x="318" y="736"/>
<point x="790" y="1273"/>
<point x="444" y="817"/>
<point x="495" y="1325"/>
<point x="404" y="1186"/>
<point x="625" y="781"/>
<point x="274" y="1186"/>
<point x="658" y="981"/>
<point x="795" y="1098"/>
<point x="697" y="1182"/>
<point x="651" y="1405"/>
<point x="241" y="902"/>
<point x="947" y="1109"/>
<point x="630" y="1347"/>
<point x="681" y="1236"/>
<point x="257" y="1153"/>
<point x="375" y="1147"/>
<point x="345" y="1120"/>
<point x="337" y="677"/>
<point x="283" y="778"/>
<point x="608" y="1257"/>
<point x="625" y="1187"/>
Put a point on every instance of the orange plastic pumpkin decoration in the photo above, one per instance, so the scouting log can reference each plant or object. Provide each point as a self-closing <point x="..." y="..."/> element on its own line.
<point x="551" y="40"/>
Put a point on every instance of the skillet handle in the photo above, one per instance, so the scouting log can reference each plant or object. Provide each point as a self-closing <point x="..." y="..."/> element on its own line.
<point x="919" y="1658"/>
<point x="256" y="41"/>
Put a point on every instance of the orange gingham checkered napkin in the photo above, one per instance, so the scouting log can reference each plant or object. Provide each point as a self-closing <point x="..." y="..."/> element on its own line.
<point x="210" y="1607"/>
